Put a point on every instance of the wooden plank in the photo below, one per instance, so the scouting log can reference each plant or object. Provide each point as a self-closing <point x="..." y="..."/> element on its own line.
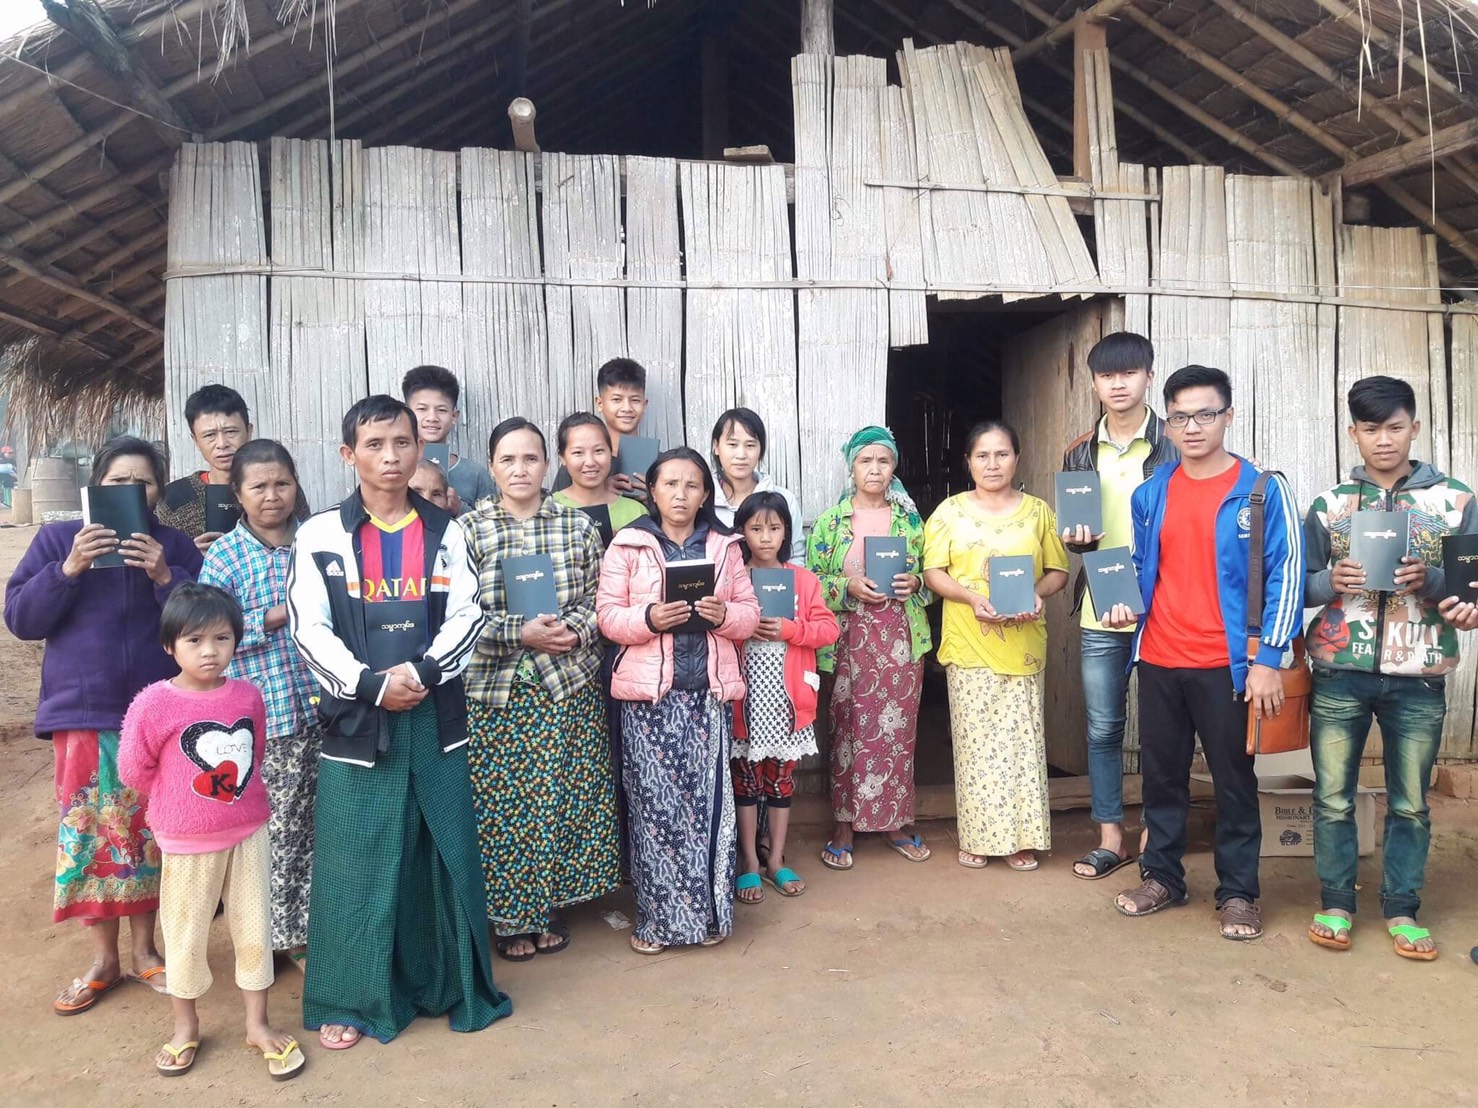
<point x="1416" y="154"/>
<point x="1087" y="35"/>
<point x="654" y="316"/>
<point x="215" y="327"/>
<point x="1046" y="391"/>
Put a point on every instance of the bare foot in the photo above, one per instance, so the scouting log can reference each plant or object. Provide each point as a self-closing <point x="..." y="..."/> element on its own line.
<point x="298" y="956"/>
<point x="972" y="861"/>
<point x="335" y="1036"/>
<point x="841" y="835"/>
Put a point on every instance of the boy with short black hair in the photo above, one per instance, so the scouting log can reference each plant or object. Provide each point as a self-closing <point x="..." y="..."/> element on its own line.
<point x="433" y="394"/>
<point x="382" y="602"/>
<point x="220" y="425"/>
<point x="1380" y="654"/>
<point x="1125" y="447"/>
<point x="1192" y="543"/>
<point x="620" y="401"/>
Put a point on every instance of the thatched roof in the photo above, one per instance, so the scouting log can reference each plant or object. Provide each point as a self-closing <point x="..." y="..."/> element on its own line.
<point x="88" y="132"/>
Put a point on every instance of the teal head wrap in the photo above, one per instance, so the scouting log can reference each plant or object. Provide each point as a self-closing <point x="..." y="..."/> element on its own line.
<point x="876" y="436"/>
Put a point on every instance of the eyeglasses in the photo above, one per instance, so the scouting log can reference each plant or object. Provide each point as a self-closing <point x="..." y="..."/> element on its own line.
<point x="1204" y="418"/>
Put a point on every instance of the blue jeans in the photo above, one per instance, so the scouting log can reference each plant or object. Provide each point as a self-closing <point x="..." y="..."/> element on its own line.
<point x="1410" y="711"/>
<point x="1105" y="669"/>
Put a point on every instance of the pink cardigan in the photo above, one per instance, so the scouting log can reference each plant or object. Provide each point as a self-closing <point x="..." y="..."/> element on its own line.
<point x="198" y="758"/>
<point x="631" y="581"/>
<point x="815" y="626"/>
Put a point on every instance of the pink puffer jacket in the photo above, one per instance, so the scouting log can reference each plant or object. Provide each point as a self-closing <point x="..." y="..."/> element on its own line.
<point x="631" y="581"/>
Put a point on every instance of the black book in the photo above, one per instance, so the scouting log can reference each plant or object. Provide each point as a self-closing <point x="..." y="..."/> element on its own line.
<point x="636" y="456"/>
<point x="883" y="558"/>
<point x="1079" y="501"/>
<point x="122" y="509"/>
<point x="691" y="582"/>
<point x="395" y="632"/>
<point x="439" y="454"/>
<point x="222" y="510"/>
<point x="528" y="585"/>
<point x="1460" y="566"/>
<point x="1378" y="541"/>
<point x="776" y="591"/>
<point x="1112" y="580"/>
<point x="1013" y="584"/>
<point x="600" y="515"/>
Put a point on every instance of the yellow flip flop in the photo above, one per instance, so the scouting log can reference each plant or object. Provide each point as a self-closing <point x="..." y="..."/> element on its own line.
<point x="174" y="1052"/>
<point x="285" y="1064"/>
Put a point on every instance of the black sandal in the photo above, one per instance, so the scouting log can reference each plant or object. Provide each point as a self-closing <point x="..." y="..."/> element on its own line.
<point x="1103" y="860"/>
<point x="554" y="927"/>
<point x="504" y="946"/>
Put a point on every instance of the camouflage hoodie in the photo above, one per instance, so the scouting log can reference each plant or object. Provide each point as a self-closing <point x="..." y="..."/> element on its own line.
<point x="1381" y="632"/>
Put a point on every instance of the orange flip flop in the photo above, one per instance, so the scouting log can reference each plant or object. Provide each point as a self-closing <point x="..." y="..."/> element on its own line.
<point x="98" y="989"/>
<point x="147" y="977"/>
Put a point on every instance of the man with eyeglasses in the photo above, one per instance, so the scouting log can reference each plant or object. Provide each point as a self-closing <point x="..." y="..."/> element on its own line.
<point x="1192" y="545"/>
<point x="1126" y="445"/>
<point x="220" y="425"/>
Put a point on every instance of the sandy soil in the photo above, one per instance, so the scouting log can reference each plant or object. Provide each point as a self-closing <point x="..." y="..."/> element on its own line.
<point x="893" y="984"/>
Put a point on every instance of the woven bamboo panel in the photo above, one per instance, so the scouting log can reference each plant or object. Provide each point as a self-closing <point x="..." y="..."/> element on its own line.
<point x="1405" y="344"/>
<point x="411" y="228"/>
<point x="1459" y="739"/>
<point x="215" y="326"/>
<point x="1120" y="227"/>
<point x="582" y="241"/>
<point x="1192" y="255"/>
<point x="908" y="323"/>
<point x="842" y="334"/>
<point x="1282" y="353"/>
<point x="506" y="371"/>
<point x="740" y="341"/>
<point x="654" y="316"/>
<point x="317" y="338"/>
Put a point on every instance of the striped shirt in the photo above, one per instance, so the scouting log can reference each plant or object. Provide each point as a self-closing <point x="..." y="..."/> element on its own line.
<point x="571" y="540"/>
<point x="256" y="575"/>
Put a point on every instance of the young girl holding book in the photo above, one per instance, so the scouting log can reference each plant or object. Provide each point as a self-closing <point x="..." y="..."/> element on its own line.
<point x="774" y="725"/>
<point x="195" y="745"/>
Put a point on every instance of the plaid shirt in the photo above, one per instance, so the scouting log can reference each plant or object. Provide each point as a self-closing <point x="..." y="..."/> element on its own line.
<point x="569" y="537"/>
<point x="256" y="576"/>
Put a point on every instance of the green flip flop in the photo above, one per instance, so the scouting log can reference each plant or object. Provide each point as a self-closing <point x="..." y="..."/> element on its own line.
<point x="1412" y="935"/>
<point x="1340" y="940"/>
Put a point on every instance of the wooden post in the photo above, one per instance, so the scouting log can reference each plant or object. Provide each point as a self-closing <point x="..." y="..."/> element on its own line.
<point x="1087" y="35"/>
<point x="521" y="114"/>
<point x="817" y="33"/>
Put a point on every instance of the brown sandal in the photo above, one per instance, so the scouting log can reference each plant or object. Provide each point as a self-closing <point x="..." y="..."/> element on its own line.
<point x="1236" y="910"/>
<point x="1149" y="897"/>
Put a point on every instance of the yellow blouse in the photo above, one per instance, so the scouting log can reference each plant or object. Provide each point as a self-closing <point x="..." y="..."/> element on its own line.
<point x="961" y="539"/>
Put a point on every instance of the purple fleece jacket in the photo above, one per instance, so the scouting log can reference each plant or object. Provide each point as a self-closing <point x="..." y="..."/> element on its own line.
<point x="101" y="628"/>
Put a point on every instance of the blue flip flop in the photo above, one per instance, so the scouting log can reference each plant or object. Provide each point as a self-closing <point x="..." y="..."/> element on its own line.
<point x="782" y="877"/>
<point x="913" y="841"/>
<point x="744" y="883"/>
<point x="836" y="857"/>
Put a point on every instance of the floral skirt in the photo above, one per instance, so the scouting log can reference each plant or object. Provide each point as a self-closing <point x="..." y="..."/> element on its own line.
<point x="676" y="765"/>
<point x="874" y="720"/>
<point x="546" y="804"/>
<point x="1000" y="761"/>
<point x="290" y="772"/>
<point x="107" y="862"/>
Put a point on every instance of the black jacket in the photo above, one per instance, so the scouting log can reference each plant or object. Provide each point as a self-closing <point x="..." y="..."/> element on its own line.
<point x="1082" y="454"/>
<point x="327" y="619"/>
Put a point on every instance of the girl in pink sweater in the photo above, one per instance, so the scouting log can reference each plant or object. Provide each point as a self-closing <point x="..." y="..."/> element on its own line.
<point x="194" y="744"/>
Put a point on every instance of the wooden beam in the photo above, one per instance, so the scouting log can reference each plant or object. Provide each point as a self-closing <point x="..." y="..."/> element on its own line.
<point x="1387" y="42"/>
<point x="76" y="206"/>
<point x="521" y="117"/>
<point x="1055" y="34"/>
<point x="1087" y="35"/>
<point x="86" y="22"/>
<point x="1411" y="155"/>
<point x="54" y="277"/>
<point x="57" y="330"/>
<point x="818" y="34"/>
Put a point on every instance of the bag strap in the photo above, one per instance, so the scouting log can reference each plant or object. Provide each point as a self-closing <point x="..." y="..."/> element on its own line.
<point x="1257" y="498"/>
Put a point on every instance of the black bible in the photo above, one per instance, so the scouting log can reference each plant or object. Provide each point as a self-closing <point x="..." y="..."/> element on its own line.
<point x="690" y="582"/>
<point x="775" y="589"/>
<point x="528" y="583"/>
<point x="122" y="509"/>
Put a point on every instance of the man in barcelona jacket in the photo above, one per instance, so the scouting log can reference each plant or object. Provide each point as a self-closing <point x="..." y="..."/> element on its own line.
<point x="1192" y="536"/>
<point x="382" y="602"/>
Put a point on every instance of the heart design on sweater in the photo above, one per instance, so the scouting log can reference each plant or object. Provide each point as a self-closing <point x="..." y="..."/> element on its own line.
<point x="225" y="755"/>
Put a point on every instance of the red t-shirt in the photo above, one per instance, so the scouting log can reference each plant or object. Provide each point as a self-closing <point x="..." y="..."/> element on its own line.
<point x="1185" y="628"/>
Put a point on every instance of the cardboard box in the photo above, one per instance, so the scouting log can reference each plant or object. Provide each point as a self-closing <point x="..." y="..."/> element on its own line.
<point x="1285" y="794"/>
<point x="1287" y="807"/>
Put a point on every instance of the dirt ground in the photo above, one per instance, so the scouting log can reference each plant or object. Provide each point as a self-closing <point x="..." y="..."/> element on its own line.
<point x="894" y="984"/>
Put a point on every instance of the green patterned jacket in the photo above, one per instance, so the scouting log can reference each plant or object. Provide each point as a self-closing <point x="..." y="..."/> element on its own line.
<point x="826" y="550"/>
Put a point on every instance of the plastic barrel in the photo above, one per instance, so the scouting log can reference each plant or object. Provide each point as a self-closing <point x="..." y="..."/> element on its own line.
<point x="54" y="488"/>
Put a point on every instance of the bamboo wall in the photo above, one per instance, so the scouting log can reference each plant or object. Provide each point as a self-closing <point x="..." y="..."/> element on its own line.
<point x="523" y="274"/>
